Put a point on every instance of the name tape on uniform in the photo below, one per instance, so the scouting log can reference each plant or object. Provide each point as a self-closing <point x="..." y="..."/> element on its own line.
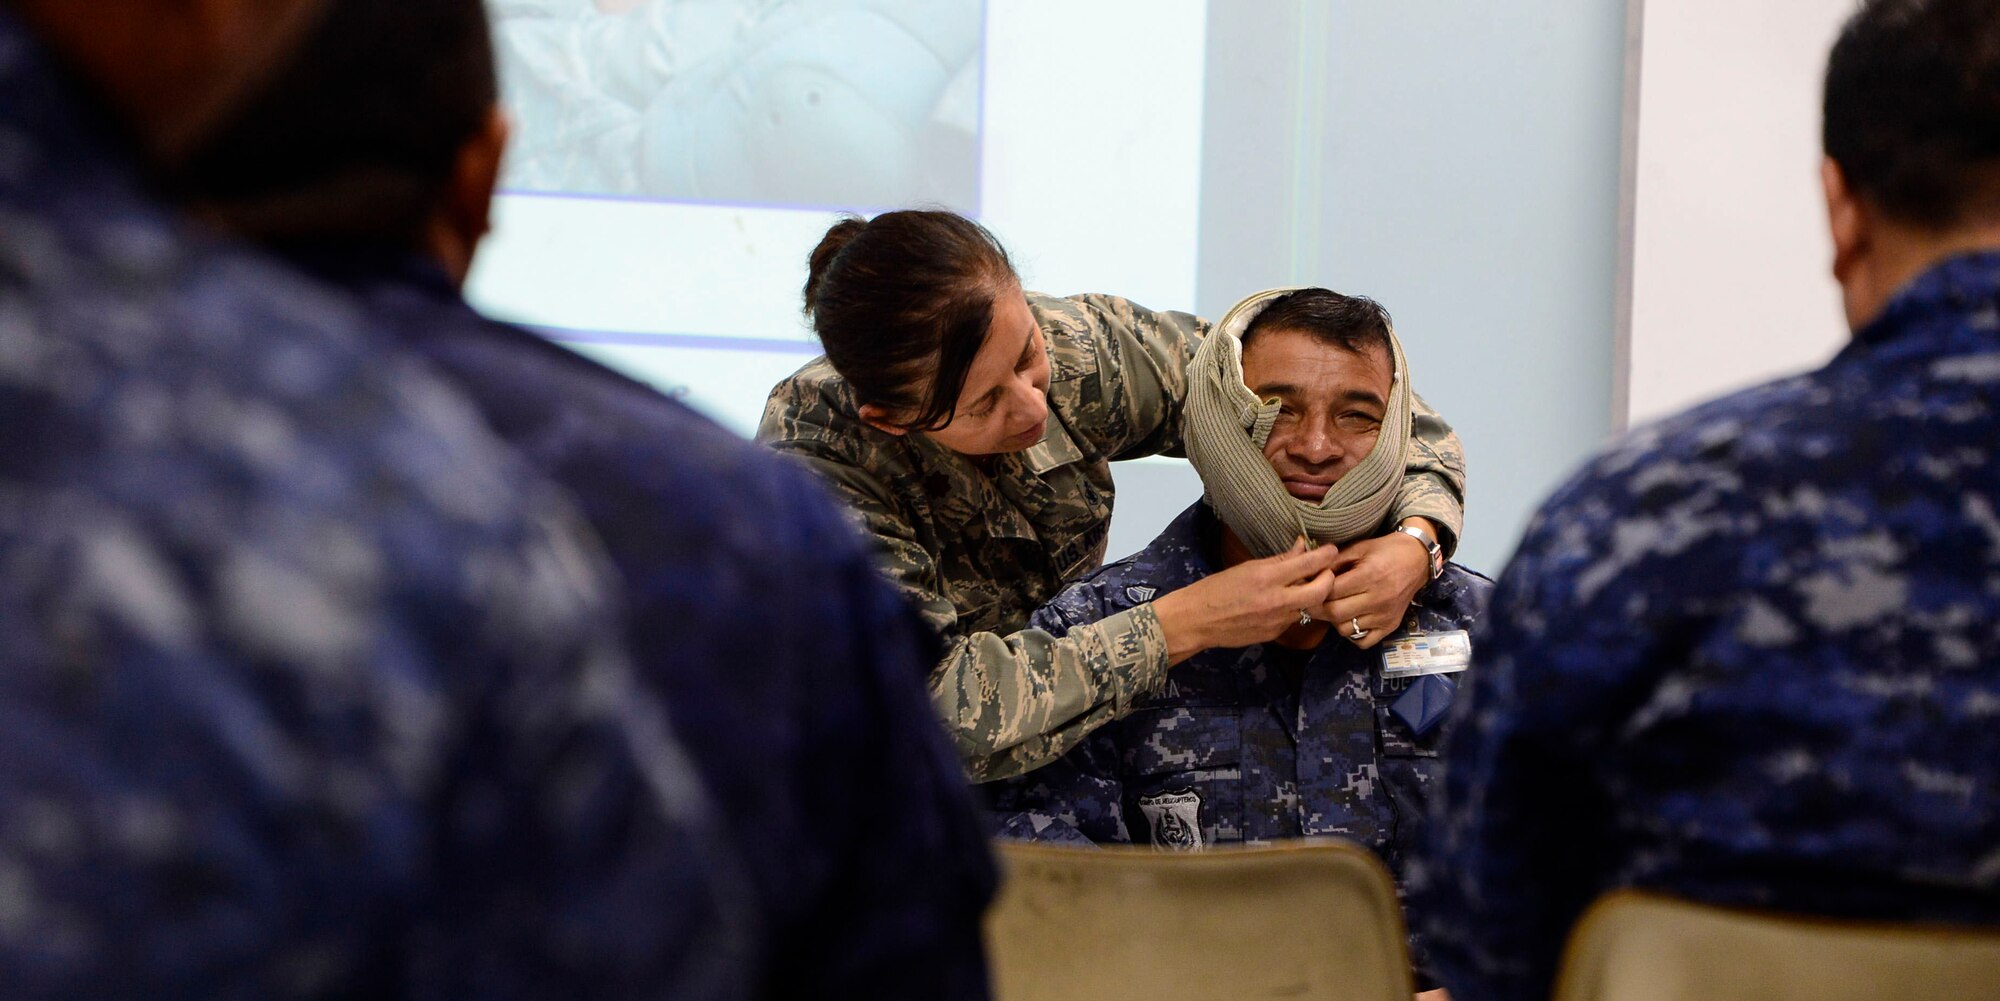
<point x="1418" y="654"/>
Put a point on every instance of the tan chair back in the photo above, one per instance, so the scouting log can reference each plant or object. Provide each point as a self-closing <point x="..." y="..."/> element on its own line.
<point x="1304" y="921"/>
<point x="1633" y="946"/>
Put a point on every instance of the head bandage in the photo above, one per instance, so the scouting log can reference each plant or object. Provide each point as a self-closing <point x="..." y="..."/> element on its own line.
<point x="1226" y="427"/>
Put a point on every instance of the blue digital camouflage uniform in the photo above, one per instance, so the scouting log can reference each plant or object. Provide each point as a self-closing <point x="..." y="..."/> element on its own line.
<point x="1246" y="745"/>
<point x="308" y="691"/>
<point x="1750" y="655"/>
<point x="793" y="672"/>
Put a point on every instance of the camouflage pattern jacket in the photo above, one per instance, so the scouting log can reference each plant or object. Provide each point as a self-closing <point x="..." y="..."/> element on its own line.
<point x="977" y="545"/>
<point x="1750" y="655"/>
<point x="1248" y="745"/>
<point x="309" y="690"/>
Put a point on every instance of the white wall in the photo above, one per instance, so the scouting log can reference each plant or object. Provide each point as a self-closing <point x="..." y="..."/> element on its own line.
<point x="1728" y="263"/>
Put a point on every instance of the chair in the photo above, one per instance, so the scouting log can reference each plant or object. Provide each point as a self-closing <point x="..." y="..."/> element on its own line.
<point x="1633" y="946"/>
<point x="1304" y="921"/>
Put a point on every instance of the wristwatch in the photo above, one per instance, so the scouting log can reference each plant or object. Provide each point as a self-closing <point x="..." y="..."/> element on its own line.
<point x="1436" y="553"/>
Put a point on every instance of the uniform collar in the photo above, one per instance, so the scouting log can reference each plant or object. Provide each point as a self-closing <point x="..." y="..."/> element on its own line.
<point x="1190" y="548"/>
<point x="352" y="264"/>
<point x="1056" y="449"/>
<point x="963" y="489"/>
<point x="1187" y="550"/>
<point x="1962" y="286"/>
<point x="959" y="487"/>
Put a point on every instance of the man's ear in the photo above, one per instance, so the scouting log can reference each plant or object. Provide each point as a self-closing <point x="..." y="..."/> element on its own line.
<point x="881" y="420"/>
<point x="466" y="214"/>
<point x="477" y="174"/>
<point x="1848" y="221"/>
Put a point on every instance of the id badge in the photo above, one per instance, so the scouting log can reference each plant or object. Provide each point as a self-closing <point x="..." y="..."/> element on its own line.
<point x="1418" y="654"/>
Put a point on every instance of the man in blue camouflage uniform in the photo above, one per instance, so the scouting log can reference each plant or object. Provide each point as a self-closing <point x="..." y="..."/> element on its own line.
<point x="793" y="673"/>
<point x="1297" y="738"/>
<point x="309" y="691"/>
<point x="1751" y="654"/>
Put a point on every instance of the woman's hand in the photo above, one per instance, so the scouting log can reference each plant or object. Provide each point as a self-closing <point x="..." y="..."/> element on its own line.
<point x="1376" y="580"/>
<point x="1248" y="603"/>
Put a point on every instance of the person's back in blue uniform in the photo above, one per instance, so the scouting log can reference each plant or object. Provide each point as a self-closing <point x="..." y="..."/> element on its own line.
<point x="310" y="690"/>
<point x="792" y="672"/>
<point x="1751" y="654"/>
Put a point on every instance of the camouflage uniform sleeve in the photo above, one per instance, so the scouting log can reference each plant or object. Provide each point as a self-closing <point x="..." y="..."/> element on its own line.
<point x="1015" y="702"/>
<point x="1076" y="799"/>
<point x="1434" y="483"/>
<point x="1133" y="408"/>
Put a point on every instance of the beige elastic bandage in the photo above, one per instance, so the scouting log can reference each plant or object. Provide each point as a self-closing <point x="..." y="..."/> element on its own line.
<point x="1225" y="429"/>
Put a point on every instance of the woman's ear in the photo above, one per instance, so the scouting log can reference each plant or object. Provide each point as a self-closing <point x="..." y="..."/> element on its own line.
<point x="881" y="420"/>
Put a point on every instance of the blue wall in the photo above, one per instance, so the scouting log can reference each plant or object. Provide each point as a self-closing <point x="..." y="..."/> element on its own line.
<point x="1472" y="177"/>
<point x="1458" y="161"/>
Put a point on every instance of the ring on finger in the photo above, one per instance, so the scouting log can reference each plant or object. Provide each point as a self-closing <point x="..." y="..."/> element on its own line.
<point x="1358" y="633"/>
<point x="1304" y="619"/>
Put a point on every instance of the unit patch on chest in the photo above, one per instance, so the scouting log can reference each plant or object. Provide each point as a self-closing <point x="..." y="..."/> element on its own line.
<point x="1173" y="820"/>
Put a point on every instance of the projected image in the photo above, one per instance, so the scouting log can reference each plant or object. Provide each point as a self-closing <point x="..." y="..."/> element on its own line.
<point x="837" y="104"/>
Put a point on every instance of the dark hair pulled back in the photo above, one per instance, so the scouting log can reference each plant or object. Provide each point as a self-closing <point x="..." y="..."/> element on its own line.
<point x="902" y="298"/>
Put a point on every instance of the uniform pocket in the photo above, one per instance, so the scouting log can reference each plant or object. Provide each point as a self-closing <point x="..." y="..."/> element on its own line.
<point x="1409" y="769"/>
<point x="1396" y="740"/>
<point x="1183" y="777"/>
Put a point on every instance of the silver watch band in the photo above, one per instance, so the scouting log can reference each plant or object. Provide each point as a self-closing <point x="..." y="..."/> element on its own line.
<point x="1436" y="553"/>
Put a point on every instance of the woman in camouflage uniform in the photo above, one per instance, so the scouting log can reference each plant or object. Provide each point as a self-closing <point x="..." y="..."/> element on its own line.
<point x="971" y="426"/>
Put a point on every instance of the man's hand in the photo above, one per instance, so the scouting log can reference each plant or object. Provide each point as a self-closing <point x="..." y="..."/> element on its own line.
<point x="1376" y="580"/>
<point x="1248" y="603"/>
